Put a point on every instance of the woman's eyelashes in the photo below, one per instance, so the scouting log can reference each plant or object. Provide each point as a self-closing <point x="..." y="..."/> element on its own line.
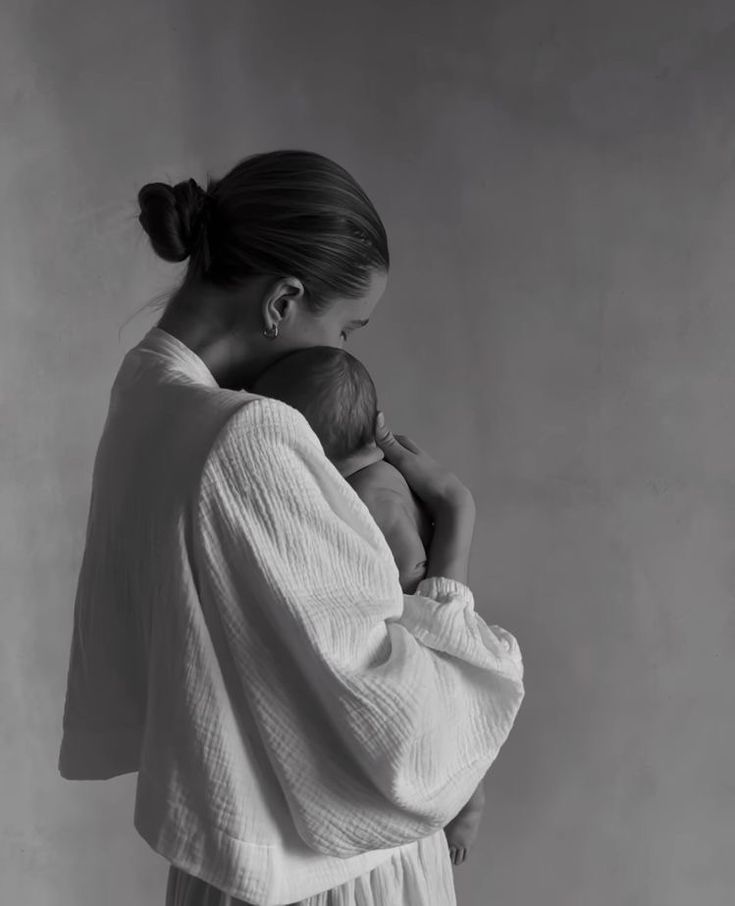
<point x="353" y="325"/>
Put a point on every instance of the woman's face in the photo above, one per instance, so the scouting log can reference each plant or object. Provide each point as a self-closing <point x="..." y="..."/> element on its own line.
<point x="298" y="326"/>
<point x="333" y="326"/>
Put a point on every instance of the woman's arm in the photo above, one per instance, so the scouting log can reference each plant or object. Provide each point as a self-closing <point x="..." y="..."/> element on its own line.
<point x="454" y="526"/>
<point x="443" y="494"/>
<point x="369" y="703"/>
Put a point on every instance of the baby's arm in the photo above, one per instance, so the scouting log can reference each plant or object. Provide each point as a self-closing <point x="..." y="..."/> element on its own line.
<point x="389" y="510"/>
<point x="385" y="493"/>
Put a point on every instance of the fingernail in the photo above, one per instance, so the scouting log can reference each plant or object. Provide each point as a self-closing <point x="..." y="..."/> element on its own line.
<point x="380" y="420"/>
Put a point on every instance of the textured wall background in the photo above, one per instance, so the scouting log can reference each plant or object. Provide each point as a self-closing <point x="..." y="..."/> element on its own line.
<point x="557" y="182"/>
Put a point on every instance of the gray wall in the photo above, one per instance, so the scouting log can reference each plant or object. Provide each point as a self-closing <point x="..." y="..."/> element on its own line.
<point x="557" y="181"/>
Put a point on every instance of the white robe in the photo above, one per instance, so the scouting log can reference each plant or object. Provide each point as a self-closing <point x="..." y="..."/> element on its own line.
<point x="242" y="642"/>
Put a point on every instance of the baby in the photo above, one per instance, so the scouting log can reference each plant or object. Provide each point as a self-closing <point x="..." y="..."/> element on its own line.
<point x="336" y="395"/>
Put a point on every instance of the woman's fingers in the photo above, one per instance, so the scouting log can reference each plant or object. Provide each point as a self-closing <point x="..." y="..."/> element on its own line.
<point x="431" y="482"/>
<point x="407" y="443"/>
<point x="395" y="443"/>
<point x="390" y="445"/>
<point x="382" y="432"/>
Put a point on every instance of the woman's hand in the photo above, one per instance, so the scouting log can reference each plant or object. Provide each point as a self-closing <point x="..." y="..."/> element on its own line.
<point x="437" y="487"/>
<point x="450" y="503"/>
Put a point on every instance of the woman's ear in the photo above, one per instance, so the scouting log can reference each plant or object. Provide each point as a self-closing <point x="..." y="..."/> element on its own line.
<point x="281" y="299"/>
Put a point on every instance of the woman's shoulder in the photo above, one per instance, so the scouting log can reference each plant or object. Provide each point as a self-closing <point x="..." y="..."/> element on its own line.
<point x="259" y="426"/>
<point x="265" y="412"/>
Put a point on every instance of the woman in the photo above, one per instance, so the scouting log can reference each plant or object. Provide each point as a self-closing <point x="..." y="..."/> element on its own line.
<point x="301" y="730"/>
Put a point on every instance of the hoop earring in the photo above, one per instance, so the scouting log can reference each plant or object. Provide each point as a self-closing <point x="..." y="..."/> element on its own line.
<point x="271" y="332"/>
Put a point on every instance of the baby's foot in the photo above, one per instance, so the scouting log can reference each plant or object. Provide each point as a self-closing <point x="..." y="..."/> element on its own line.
<point x="457" y="854"/>
<point x="461" y="833"/>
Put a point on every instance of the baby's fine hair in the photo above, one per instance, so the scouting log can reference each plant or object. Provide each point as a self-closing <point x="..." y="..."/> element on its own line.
<point x="334" y="392"/>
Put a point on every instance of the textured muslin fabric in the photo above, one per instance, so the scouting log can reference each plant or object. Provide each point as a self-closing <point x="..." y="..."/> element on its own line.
<point x="242" y="642"/>
<point x="417" y="875"/>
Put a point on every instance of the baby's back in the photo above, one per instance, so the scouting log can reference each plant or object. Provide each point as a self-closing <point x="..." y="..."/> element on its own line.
<point x="401" y="516"/>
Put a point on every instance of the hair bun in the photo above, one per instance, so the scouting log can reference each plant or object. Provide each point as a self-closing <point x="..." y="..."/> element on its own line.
<point x="172" y="216"/>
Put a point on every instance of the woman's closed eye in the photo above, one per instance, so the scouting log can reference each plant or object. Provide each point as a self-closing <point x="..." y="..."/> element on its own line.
<point x="353" y="325"/>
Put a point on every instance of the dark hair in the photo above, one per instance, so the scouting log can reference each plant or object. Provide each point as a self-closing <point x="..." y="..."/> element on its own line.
<point x="285" y="213"/>
<point x="332" y="389"/>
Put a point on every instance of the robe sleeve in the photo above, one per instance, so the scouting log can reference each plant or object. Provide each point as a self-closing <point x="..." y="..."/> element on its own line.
<point x="379" y="712"/>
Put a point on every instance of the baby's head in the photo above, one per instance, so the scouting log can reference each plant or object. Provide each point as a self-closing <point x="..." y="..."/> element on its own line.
<point x="334" y="392"/>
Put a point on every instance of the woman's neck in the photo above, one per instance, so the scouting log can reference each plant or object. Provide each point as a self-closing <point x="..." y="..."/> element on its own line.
<point x="213" y="336"/>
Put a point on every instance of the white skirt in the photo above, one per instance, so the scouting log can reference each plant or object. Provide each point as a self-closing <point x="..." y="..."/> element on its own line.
<point x="420" y="875"/>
